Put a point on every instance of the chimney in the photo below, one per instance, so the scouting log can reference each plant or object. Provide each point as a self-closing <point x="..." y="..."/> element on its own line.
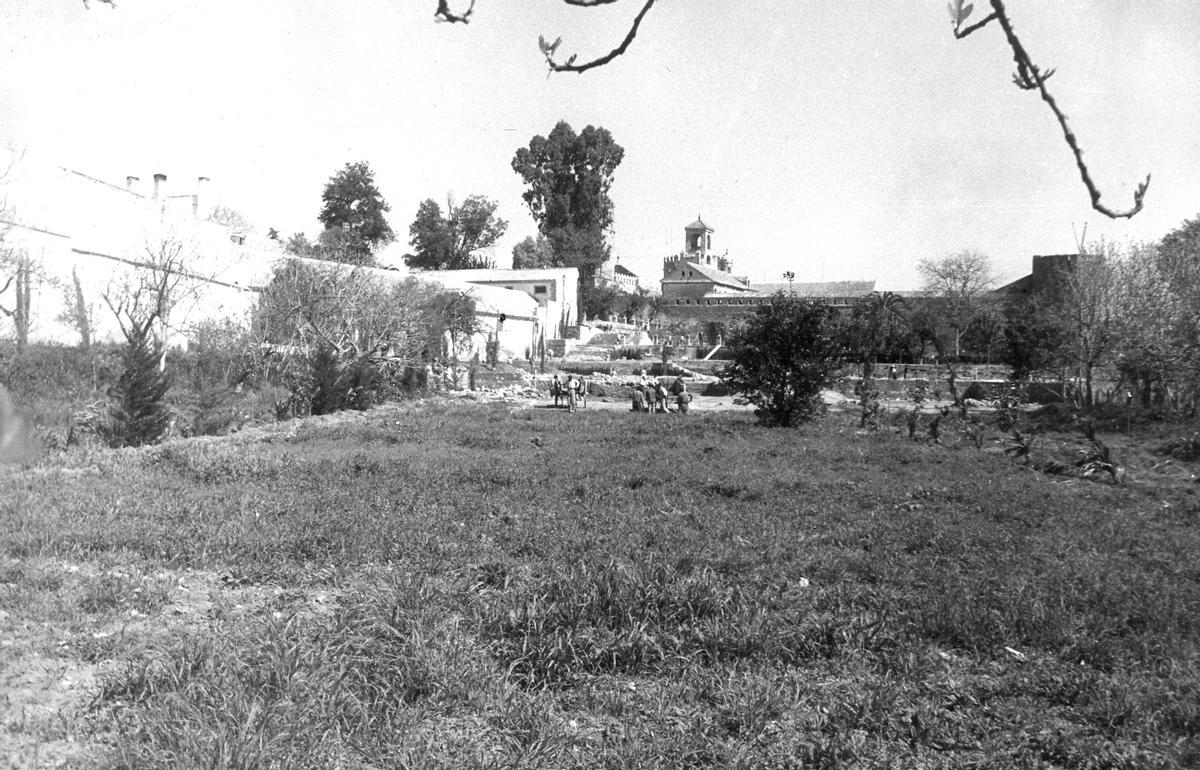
<point x="131" y="183"/>
<point x="199" y="195"/>
<point x="160" y="181"/>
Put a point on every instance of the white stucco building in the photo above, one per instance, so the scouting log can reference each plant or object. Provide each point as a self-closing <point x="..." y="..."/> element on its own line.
<point x="554" y="289"/>
<point x="85" y="237"/>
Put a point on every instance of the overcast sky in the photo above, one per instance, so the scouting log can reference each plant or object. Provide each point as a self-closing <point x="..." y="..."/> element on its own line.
<point x="835" y="139"/>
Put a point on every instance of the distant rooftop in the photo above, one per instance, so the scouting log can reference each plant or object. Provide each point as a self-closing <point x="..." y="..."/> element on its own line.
<point x="716" y="276"/>
<point x="501" y="275"/>
<point x="818" y="289"/>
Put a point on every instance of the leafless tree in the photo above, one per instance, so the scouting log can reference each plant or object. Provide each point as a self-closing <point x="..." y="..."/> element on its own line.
<point x="960" y="281"/>
<point x="346" y="308"/>
<point x="362" y="317"/>
<point x="1084" y="305"/>
<point x="1157" y="331"/>
<point x="142" y="300"/>
<point x="17" y="272"/>
<point x="77" y="311"/>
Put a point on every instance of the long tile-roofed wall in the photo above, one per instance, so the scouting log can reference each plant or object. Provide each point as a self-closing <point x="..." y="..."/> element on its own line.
<point x="818" y="289"/>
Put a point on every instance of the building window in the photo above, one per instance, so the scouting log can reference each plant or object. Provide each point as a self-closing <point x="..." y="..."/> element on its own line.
<point x="539" y="289"/>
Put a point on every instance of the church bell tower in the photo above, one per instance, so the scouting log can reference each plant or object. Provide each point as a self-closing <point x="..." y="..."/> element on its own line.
<point x="698" y="243"/>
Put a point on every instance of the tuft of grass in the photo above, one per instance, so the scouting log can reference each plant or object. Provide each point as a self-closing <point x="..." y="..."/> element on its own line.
<point x="617" y="618"/>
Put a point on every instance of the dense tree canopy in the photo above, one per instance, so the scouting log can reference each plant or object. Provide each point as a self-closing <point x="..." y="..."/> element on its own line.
<point x="783" y="356"/>
<point x="457" y="240"/>
<point x="352" y="204"/>
<point x="1179" y="256"/>
<point x="877" y="326"/>
<point x="532" y="253"/>
<point x="568" y="177"/>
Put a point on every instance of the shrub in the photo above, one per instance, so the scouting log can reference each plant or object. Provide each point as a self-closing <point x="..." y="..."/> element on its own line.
<point x="629" y="353"/>
<point x="975" y="392"/>
<point x="361" y="383"/>
<point x="327" y="393"/>
<point x="586" y="369"/>
<point x="783" y="356"/>
<point x="1182" y="448"/>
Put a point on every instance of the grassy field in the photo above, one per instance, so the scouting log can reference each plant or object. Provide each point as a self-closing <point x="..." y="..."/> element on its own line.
<point x="464" y="585"/>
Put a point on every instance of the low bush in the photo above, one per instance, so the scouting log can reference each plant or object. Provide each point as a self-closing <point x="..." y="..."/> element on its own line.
<point x="1182" y="448"/>
<point x="628" y="353"/>
<point x="585" y="368"/>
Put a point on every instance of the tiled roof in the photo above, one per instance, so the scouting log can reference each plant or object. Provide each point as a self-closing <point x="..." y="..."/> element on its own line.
<point x="624" y="270"/>
<point x="499" y="275"/>
<point x="698" y="225"/>
<point x="715" y="276"/>
<point x="818" y="289"/>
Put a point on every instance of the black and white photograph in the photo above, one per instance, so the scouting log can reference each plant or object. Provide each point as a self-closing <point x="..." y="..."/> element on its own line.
<point x="599" y="384"/>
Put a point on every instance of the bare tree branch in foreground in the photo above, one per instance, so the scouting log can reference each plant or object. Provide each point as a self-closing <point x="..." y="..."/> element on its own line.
<point x="443" y="13"/>
<point x="1030" y="77"/>
<point x="569" y="65"/>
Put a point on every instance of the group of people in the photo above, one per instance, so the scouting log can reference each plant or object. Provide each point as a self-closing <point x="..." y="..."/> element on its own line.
<point x="572" y="390"/>
<point x="649" y="393"/>
<point x="652" y="396"/>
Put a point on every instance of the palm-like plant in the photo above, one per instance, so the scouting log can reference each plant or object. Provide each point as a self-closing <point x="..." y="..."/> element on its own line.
<point x="1097" y="457"/>
<point x="1020" y="445"/>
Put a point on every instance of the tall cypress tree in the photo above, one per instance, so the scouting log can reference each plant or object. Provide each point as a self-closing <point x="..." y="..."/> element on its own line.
<point x="138" y="414"/>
